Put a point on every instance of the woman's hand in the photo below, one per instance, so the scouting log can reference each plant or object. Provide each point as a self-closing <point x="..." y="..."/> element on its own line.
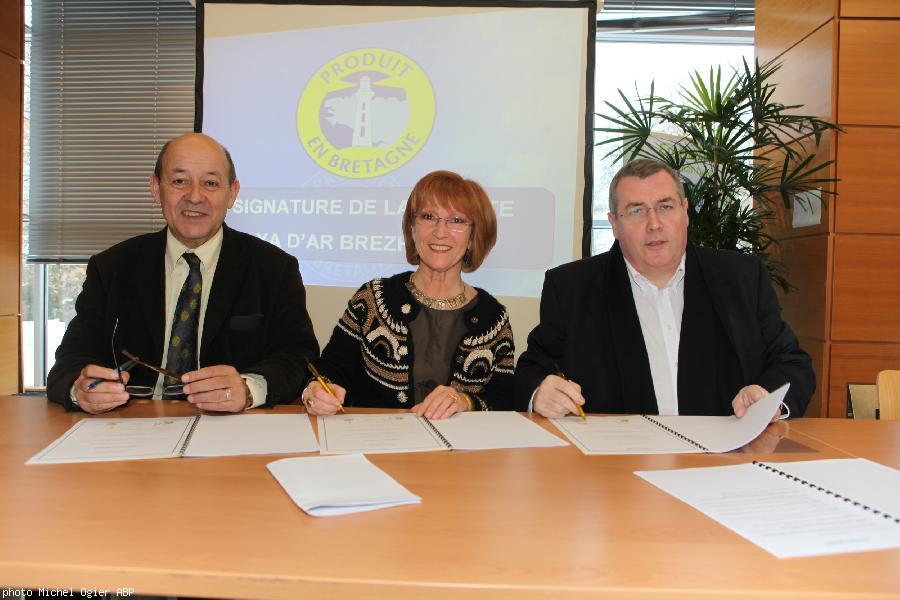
<point x="319" y="402"/>
<point x="442" y="402"/>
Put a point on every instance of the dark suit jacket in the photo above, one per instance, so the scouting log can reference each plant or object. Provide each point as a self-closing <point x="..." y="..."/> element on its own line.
<point x="256" y="318"/>
<point x="732" y="335"/>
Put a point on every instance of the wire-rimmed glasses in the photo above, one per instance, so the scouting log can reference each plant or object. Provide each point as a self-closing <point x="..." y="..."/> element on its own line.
<point x="169" y="391"/>
<point x="455" y="224"/>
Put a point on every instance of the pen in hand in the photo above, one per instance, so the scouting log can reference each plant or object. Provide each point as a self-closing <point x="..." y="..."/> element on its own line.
<point x="561" y="375"/>
<point x="322" y="382"/>
<point x="124" y="367"/>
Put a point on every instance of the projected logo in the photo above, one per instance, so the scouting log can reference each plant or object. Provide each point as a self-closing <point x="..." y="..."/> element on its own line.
<point x="366" y="113"/>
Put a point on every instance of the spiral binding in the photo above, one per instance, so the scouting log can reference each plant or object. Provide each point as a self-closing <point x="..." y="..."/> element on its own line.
<point x="819" y="488"/>
<point x="187" y="438"/>
<point x="676" y="433"/>
<point x="440" y="436"/>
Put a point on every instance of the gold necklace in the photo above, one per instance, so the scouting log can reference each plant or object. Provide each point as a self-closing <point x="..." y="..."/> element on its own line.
<point x="451" y="303"/>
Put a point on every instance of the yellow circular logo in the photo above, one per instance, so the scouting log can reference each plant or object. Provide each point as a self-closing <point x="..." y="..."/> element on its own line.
<point x="366" y="113"/>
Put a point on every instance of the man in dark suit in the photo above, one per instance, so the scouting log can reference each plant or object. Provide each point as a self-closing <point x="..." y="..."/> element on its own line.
<point x="657" y="325"/>
<point x="223" y="310"/>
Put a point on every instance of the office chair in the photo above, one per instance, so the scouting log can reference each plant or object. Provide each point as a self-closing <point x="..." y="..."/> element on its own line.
<point x="888" y="384"/>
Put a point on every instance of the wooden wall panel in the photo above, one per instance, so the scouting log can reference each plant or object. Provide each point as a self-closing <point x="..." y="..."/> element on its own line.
<point x="806" y="73"/>
<point x="9" y="361"/>
<point x="10" y="183"/>
<point x="11" y="28"/>
<point x="856" y="363"/>
<point x="806" y="309"/>
<point x="869" y="65"/>
<point x="870" y="8"/>
<point x="806" y="78"/>
<point x="817" y="351"/>
<point x="782" y="23"/>
<point x="866" y="300"/>
<point x="869" y="169"/>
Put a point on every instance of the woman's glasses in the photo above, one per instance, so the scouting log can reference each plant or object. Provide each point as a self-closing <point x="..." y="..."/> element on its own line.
<point x="454" y="224"/>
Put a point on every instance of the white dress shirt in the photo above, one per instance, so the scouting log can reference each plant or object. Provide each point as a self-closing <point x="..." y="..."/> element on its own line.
<point x="659" y="312"/>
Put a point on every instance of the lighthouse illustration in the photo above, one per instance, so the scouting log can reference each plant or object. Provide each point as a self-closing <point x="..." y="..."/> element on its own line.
<point x="362" y="127"/>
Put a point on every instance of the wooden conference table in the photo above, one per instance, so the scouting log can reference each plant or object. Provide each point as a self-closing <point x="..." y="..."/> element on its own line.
<point x="531" y="523"/>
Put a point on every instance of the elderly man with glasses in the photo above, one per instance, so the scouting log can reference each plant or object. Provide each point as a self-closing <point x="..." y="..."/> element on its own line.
<point x="205" y="312"/>
<point x="657" y="325"/>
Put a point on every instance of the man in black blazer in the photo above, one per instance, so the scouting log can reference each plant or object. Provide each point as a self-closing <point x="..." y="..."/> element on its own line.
<point x="656" y="325"/>
<point x="251" y="332"/>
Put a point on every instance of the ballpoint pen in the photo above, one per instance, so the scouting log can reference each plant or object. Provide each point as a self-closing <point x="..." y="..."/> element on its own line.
<point x="560" y="374"/>
<point x="126" y="366"/>
<point x="322" y="382"/>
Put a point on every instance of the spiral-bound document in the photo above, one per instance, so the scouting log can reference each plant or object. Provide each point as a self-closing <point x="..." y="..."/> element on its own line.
<point x="791" y="509"/>
<point x="655" y="434"/>
<point x="98" y="439"/>
<point x="406" y="432"/>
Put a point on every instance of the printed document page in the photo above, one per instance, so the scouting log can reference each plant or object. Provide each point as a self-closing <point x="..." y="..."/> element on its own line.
<point x="487" y="430"/>
<point x="376" y="433"/>
<point x="233" y="435"/>
<point x="788" y="518"/>
<point x="336" y="485"/>
<point x="635" y="434"/>
<point x="723" y="434"/>
<point x="91" y="440"/>
<point x="627" y="434"/>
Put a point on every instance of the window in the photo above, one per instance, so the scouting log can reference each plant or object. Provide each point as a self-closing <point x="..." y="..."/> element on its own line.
<point x="639" y="41"/>
<point x="107" y="82"/>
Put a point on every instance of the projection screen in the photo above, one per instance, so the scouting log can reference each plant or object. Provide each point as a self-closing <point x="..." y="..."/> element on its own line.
<point x="332" y="112"/>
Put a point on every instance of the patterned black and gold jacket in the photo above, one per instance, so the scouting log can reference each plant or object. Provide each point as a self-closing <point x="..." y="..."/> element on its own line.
<point x="371" y="349"/>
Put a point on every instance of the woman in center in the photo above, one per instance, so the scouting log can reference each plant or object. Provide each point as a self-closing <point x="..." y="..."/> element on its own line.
<point x="425" y="340"/>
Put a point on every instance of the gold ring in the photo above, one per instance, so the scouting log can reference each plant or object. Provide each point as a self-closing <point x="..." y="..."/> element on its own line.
<point x="311" y="402"/>
<point x="227" y="394"/>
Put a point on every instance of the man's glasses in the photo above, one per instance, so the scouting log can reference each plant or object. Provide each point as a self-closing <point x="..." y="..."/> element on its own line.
<point x="454" y="224"/>
<point x="142" y="391"/>
<point x="640" y="213"/>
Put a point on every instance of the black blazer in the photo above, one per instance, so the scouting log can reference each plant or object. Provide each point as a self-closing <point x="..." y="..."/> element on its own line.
<point x="256" y="318"/>
<point x="732" y="335"/>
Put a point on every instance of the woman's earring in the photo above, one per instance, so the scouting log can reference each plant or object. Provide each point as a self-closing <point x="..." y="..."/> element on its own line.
<point x="467" y="257"/>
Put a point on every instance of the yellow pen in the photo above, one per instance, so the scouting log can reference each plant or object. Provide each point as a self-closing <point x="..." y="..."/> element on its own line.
<point x="321" y="380"/>
<point x="562" y="375"/>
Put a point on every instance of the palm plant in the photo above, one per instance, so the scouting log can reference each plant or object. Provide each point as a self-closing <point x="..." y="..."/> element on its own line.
<point x="738" y="151"/>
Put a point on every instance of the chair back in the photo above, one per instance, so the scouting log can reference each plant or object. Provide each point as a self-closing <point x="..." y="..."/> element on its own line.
<point x="888" y="384"/>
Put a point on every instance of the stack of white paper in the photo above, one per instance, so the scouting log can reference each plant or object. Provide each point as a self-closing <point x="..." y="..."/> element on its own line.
<point x="325" y="486"/>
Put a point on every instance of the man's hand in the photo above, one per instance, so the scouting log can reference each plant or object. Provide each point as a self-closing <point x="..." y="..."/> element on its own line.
<point x="767" y="441"/>
<point x="104" y="396"/>
<point x="319" y="402"/>
<point x="442" y="402"/>
<point x="218" y="388"/>
<point x="557" y="397"/>
<point x="747" y="396"/>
